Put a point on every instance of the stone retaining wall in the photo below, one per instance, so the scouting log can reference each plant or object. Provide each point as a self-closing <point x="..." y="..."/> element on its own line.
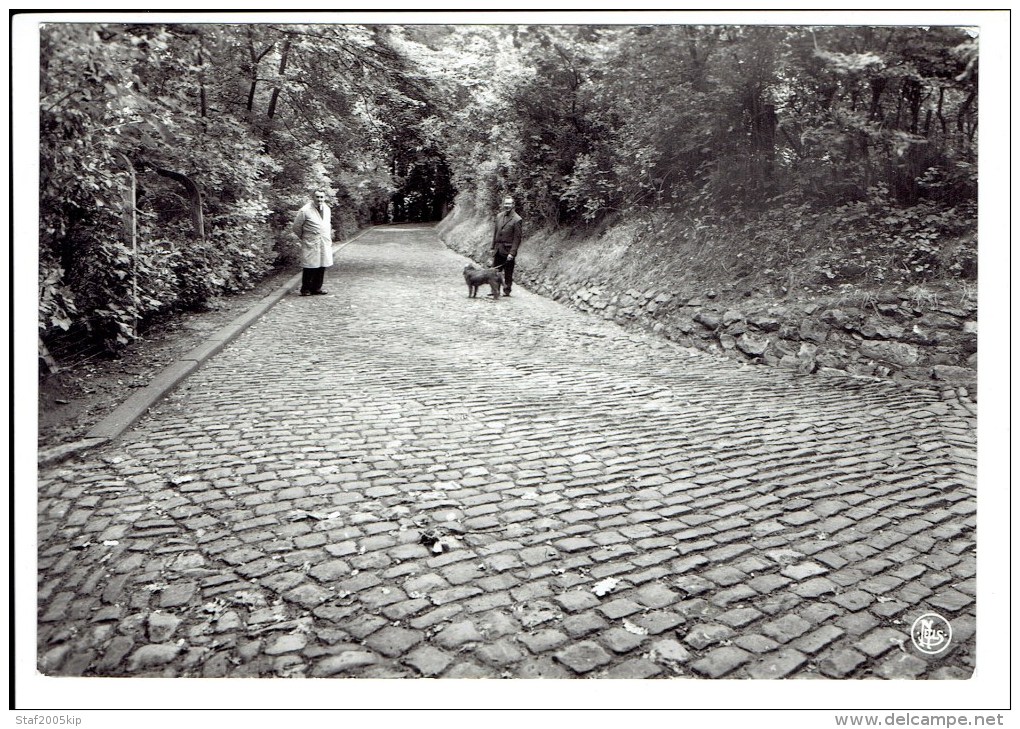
<point x="900" y="336"/>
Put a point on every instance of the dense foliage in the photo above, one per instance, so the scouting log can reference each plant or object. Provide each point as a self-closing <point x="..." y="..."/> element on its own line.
<point x="857" y="141"/>
<point x="854" y="145"/>
<point x="225" y="130"/>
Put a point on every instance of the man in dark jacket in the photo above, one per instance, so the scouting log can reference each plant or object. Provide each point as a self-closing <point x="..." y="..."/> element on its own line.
<point x="506" y="239"/>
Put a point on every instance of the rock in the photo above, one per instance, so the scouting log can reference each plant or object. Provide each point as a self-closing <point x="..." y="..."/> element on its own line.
<point x="764" y="322"/>
<point x="917" y="335"/>
<point x="727" y="341"/>
<point x="970" y="327"/>
<point x="663" y="299"/>
<point x="153" y="655"/>
<point x="897" y="353"/>
<point x="813" y="331"/>
<point x="695" y="301"/>
<point x="875" y="328"/>
<point x="934" y="320"/>
<point x="831" y="361"/>
<point x="789" y="361"/>
<point x="843" y="318"/>
<point x="962" y="376"/>
<point x="707" y="319"/>
<point x="732" y="315"/>
<point x="162" y="626"/>
<point x="752" y="345"/>
<point x="737" y="328"/>
<point x="806" y="363"/>
<point x="972" y="361"/>
<point x="685" y="325"/>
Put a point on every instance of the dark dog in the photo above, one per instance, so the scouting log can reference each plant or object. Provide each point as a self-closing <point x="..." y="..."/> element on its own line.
<point x="475" y="277"/>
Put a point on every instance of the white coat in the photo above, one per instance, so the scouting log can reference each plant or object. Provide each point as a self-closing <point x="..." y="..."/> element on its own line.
<point x="313" y="228"/>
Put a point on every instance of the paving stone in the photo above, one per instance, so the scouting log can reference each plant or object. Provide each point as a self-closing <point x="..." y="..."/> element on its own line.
<point x="177" y="594"/>
<point x="620" y="640"/>
<point x="578" y="626"/>
<point x="735" y="594"/>
<point x="429" y="661"/>
<point x="393" y="641"/>
<point x="755" y="643"/>
<point x="619" y="608"/>
<point x="818" y="639"/>
<point x="153" y="655"/>
<point x="290" y="643"/>
<point x="786" y="628"/>
<point x="725" y="576"/>
<point x="658" y="621"/>
<point x="344" y="662"/>
<point x="881" y="641"/>
<point x="543" y="640"/>
<point x="857" y="623"/>
<point x="669" y="650"/>
<point x="308" y="595"/>
<point x="706" y="634"/>
<point x="779" y="664"/>
<point x="576" y="600"/>
<point x="457" y="634"/>
<point x="739" y="617"/>
<point x="803" y="570"/>
<point x="950" y="601"/>
<point x="162" y="626"/>
<point x="693" y="585"/>
<point x="854" y="600"/>
<point x="583" y="657"/>
<point x="655" y="596"/>
<point x="902" y="666"/>
<point x="840" y="663"/>
<point x="816" y="587"/>
<point x="721" y="661"/>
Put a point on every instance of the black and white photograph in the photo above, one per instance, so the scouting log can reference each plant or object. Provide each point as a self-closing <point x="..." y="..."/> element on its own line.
<point x="569" y="360"/>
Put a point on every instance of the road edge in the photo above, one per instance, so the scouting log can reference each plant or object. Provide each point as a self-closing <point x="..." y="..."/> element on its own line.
<point x="170" y="377"/>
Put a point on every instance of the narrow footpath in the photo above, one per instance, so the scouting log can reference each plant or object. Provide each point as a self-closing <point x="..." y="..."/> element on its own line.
<point x="395" y="480"/>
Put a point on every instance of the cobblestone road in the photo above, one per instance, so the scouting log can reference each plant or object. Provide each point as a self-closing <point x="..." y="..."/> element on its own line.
<point x="606" y="504"/>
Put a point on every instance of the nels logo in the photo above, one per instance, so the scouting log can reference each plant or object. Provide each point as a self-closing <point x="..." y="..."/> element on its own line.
<point x="931" y="633"/>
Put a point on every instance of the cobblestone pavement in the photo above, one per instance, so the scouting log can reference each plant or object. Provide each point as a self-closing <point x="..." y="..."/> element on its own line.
<point x="399" y="481"/>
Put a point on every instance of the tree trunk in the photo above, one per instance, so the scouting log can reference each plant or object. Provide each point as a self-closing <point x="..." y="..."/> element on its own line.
<point x="283" y="68"/>
<point x="194" y="195"/>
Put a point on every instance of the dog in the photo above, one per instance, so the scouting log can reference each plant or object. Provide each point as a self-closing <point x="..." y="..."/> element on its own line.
<point x="475" y="277"/>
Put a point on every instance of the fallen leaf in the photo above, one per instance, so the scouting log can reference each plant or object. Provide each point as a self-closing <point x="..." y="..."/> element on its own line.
<point x="635" y="629"/>
<point x="605" y="586"/>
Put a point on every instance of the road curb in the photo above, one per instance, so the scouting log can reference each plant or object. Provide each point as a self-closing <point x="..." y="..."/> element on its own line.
<point x="169" y="378"/>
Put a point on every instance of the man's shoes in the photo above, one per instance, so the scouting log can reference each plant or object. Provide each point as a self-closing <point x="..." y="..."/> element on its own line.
<point x="306" y="293"/>
<point x="506" y="293"/>
<point x="320" y="293"/>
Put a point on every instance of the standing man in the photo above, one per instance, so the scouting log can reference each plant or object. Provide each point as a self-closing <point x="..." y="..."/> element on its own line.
<point x="312" y="227"/>
<point x="505" y="241"/>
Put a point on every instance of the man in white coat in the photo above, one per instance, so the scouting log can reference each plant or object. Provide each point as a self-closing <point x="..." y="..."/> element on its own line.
<point x="312" y="227"/>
